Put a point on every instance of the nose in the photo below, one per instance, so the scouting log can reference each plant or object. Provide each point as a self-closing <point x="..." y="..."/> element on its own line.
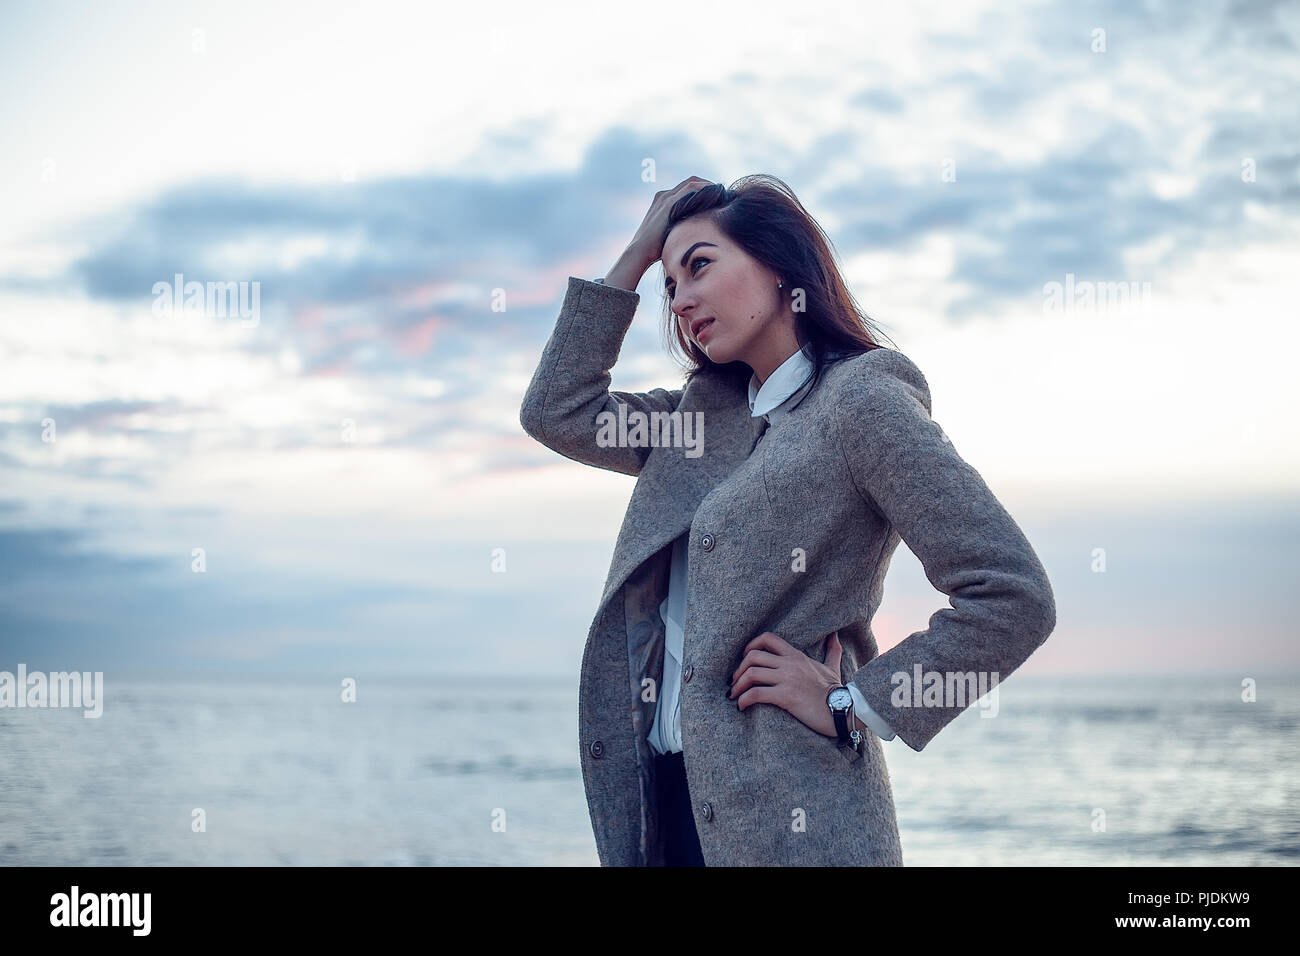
<point x="682" y="306"/>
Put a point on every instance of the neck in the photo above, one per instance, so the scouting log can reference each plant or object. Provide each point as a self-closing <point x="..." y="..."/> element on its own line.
<point x="773" y="359"/>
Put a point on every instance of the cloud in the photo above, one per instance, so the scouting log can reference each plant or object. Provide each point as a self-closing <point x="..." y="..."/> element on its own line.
<point x="66" y="603"/>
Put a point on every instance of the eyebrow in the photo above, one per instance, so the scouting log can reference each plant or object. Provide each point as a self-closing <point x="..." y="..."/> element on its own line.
<point x="686" y="255"/>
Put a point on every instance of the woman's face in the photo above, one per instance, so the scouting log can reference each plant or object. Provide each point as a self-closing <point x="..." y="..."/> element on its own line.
<point x="708" y="277"/>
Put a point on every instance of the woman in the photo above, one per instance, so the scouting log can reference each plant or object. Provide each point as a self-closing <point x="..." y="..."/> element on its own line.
<point x="732" y="698"/>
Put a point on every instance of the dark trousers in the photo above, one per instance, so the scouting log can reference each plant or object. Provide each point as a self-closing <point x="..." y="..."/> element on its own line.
<point x="676" y="819"/>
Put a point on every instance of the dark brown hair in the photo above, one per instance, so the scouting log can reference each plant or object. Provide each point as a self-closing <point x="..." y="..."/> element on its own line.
<point x="761" y="214"/>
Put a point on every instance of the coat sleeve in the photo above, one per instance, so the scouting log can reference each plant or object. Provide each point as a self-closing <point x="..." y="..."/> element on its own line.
<point x="570" y="387"/>
<point x="1002" y="605"/>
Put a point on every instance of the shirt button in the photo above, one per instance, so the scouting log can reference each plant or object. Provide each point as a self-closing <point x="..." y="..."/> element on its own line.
<point x="707" y="810"/>
<point x="686" y="674"/>
<point x="706" y="542"/>
<point x="597" y="748"/>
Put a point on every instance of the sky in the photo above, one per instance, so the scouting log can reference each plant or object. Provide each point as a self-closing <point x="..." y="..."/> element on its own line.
<point x="348" y="454"/>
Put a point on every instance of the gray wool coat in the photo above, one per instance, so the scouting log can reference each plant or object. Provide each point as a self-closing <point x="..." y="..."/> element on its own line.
<point x="790" y="532"/>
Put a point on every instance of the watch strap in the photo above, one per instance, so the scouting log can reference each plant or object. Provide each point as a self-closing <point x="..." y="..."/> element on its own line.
<point x="843" y="730"/>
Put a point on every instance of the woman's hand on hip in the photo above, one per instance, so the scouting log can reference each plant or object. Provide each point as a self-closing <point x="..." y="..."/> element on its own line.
<point x="773" y="671"/>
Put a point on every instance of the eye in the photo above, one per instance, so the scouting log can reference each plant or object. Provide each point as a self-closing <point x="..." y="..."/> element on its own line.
<point x="673" y="288"/>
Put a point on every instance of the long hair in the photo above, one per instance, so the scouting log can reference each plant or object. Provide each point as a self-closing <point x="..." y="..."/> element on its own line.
<point x="761" y="214"/>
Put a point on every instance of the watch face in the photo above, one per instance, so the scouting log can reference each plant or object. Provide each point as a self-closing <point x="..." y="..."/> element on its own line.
<point x="840" y="698"/>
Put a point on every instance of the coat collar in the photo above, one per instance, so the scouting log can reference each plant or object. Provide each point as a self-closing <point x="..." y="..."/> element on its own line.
<point x="784" y="389"/>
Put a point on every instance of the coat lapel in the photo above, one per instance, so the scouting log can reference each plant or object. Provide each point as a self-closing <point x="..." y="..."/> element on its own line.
<point x="671" y="486"/>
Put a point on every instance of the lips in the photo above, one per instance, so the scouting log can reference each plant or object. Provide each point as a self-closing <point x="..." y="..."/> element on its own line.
<point x="698" y="325"/>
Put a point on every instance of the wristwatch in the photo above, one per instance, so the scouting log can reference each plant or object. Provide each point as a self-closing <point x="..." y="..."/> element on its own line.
<point x="840" y="701"/>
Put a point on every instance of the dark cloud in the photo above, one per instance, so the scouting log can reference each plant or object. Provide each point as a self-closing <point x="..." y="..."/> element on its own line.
<point x="66" y="603"/>
<point x="422" y="230"/>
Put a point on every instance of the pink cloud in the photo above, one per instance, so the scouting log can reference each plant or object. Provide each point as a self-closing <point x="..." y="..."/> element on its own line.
<point x="419" y="338"/>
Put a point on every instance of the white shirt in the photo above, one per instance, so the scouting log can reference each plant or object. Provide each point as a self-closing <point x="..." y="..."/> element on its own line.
<point x="782" y="391"/>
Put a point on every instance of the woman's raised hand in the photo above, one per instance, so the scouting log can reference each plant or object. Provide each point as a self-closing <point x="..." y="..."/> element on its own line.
<point x="649" y="235"/>
<point x="647" y="243"/>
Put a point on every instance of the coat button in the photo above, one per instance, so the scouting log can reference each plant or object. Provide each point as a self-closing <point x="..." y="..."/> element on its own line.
<point x="597" y="748"/>
<point x="706" y="542"/>
<point x="707" y="810"/>
<point x="686" y="674"/>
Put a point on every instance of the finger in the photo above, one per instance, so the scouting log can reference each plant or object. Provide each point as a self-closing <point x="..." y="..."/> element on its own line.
<point x="756" y="656"/>
<point x="755" y="677"/>
<point x="834" y="651"/>
<point x="768" y="641"/>
<point x="756" y="695"/>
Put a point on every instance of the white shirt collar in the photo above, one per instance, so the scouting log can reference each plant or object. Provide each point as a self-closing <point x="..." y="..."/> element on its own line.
<point x="782" y="390"/>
